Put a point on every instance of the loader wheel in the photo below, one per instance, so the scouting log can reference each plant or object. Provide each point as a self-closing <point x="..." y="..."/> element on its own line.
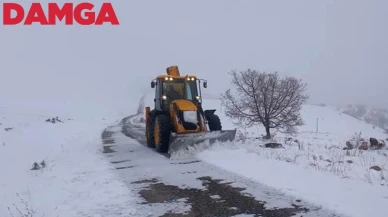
<point x="214" y="122"/>
<point x="150" y="133"/>
<point x="162" y="133"/>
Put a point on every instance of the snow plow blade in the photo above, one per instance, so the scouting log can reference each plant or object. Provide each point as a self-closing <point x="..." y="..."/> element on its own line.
<point x="183" y="142"/>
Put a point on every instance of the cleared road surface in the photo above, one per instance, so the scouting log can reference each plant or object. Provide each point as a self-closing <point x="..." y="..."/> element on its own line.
<point x="189" y="187"/>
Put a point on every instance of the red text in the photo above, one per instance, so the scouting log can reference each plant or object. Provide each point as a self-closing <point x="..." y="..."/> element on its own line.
<point x="82" y="13"/>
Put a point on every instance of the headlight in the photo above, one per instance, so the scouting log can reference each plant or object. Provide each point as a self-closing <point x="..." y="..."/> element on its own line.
<point x="164" y="97"/>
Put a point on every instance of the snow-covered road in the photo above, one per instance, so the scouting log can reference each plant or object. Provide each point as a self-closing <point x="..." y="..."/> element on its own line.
<point x="168" y="187"/>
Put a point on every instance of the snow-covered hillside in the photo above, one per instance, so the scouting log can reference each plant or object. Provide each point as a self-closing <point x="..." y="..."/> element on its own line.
<point x="318" y="121"/>
<point x="53" y="166"/>
<point x="311" y="164"/>
<point x="375" y="116"/>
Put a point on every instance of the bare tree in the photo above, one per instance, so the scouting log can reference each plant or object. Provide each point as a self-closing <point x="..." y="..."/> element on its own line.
<point x="266" y="99"/>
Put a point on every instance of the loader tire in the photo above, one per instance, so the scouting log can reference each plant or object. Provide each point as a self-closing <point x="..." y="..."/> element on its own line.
<point x="162" y="133"/>
<point x="214" y="122"/>
<point x="150" y="133"/>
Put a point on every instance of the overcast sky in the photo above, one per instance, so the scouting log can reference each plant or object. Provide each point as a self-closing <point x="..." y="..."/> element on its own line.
<point x="338" y="47"/>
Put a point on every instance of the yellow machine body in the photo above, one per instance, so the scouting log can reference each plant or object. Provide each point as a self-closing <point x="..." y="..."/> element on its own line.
<point x="176" y="124"/>
<point x="185" y="105"/>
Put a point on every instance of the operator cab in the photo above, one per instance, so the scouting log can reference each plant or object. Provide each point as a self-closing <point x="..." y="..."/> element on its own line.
<point x="180" y="89"/>
<point x="173" y="86"/>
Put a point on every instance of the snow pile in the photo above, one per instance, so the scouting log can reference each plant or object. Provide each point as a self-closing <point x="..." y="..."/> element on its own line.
<point x="190" y="117"/>
<point x="192" y="151"/>
<point x="56" y="168"/>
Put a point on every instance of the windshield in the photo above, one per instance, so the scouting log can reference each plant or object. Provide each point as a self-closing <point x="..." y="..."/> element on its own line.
<point x="180" y="89"/>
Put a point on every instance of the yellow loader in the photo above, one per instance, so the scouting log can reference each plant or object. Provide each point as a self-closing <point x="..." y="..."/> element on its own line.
<point x="177" y="120"/>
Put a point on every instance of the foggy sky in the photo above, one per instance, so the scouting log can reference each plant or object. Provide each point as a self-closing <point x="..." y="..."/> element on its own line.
<point x="338" y="47"/>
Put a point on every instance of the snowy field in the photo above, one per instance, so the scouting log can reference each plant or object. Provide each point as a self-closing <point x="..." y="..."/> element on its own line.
<point x="56" y="168"/>
<point x="312" y="163"/>
<point x="71" y="177"/>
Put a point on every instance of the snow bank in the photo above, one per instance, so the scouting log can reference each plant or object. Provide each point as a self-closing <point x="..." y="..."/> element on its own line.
<point x="75" y="178"/>
<point x="349" y="197"/>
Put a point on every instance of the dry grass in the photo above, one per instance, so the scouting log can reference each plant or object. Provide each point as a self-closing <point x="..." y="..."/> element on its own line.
<point x="351" y="164"/>
<point x="27" y="210"/>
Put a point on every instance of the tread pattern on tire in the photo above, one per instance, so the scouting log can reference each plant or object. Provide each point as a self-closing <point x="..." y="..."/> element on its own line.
<point x="151" y="142"/>
<point x="214" y="122"/>
<point x="164" y="124"/>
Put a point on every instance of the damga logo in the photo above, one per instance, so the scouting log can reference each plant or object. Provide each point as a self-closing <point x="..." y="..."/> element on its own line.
<point x="82" y="13"/>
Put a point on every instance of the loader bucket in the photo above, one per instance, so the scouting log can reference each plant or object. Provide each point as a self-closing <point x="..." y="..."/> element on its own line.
<point x="182" y="142"/>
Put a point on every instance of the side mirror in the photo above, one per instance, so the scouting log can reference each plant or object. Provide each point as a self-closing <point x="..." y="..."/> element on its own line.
<point x="205" y="84"/>
<point x="153" y="84"/>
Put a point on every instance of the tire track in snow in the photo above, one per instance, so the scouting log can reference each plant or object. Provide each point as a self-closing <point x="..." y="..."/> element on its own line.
<point x="171" y="188"/>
